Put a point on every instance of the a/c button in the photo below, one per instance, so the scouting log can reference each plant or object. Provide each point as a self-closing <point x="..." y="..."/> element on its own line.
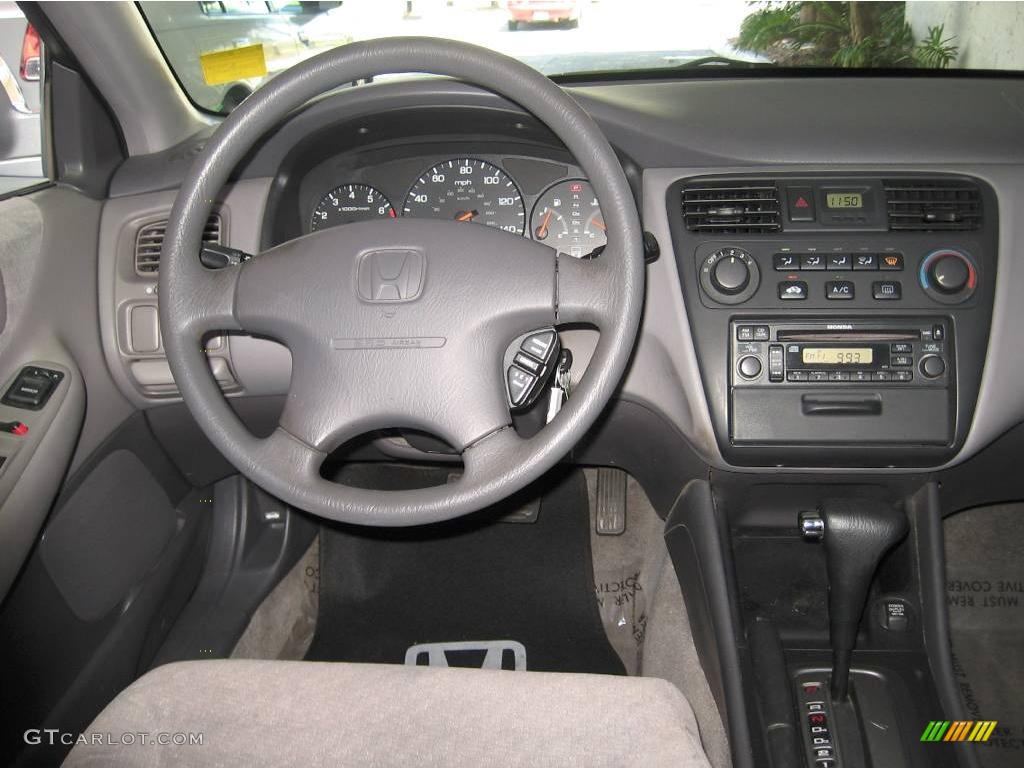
<point x="838" y="289"/>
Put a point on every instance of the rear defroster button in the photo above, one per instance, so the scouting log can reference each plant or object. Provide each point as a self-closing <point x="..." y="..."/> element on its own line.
<point x="886" y="290"/>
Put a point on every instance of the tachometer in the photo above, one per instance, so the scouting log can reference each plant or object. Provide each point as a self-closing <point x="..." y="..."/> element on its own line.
<point x="351" y="202"/>
<point x="468" y="190"/>
<point x="567" y="217"/>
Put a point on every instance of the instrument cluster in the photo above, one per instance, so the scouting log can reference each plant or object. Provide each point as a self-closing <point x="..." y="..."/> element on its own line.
<point x="564" y="214"/>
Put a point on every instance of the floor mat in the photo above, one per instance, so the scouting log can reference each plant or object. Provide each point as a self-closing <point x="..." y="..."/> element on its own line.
<point x="475" y="579"/>
<point x="985" y="595"/>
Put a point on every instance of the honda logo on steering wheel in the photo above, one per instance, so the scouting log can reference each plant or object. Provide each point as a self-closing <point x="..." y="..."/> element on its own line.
<point x="394" y="275"/>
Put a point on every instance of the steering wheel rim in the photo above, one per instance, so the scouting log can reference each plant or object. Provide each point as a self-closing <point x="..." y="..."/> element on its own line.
<point x="544" y="288"/>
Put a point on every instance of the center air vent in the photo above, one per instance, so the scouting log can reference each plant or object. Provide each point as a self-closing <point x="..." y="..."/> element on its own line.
<point x="731" y="208"/>
<point x="150" y="241"/>
<point x="932" y="205"/>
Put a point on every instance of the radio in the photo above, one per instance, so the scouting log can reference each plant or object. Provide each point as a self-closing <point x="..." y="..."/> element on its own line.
<point x="842" y="381"/>
<point x="893" y="352"/>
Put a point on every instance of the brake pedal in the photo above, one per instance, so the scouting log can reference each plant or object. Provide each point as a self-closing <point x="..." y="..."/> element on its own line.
<point x="611" y="502"/>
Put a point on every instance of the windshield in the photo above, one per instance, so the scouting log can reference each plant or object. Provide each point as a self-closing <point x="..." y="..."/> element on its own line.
<point x="221" y="50"/>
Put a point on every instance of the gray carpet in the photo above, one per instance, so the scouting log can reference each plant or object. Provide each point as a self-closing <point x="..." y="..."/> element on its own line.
<point x="637" y="593"/>
<point x="985" y="595"/>
<point x="644" y="613"/>
<point x="282" y="627"/>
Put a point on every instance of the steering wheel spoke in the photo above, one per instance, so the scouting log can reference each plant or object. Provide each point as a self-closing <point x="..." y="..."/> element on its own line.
<point x="208" y="304"/>
<point x="587" y="292"/>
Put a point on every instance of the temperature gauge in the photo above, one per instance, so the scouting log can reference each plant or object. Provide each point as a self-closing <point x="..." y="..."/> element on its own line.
<point x="568" y="218"/>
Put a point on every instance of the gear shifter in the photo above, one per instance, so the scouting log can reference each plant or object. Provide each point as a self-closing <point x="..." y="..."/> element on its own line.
<point x="856" y="533"/>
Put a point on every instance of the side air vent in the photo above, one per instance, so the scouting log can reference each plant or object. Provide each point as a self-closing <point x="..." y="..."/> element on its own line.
<point x="932" y="205"/>
<point x="150" y="241"/>
<point x="731" y="208"/>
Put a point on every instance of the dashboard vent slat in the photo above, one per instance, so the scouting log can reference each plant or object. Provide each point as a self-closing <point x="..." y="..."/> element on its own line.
<point x="149" y="242"/>
<point x="731" y="208"/>
<point x="932" y="205"/>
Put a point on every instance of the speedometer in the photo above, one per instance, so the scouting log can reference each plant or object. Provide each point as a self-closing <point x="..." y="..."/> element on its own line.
<point x="348" y="203"/>
<point x="468" y="190"/>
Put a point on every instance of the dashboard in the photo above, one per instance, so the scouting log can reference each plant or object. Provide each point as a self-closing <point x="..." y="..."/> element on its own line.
<point x="720" y="303"/>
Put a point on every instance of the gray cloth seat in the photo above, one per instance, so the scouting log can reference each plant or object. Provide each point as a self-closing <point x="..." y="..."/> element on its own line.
<point x="280" y="713"/>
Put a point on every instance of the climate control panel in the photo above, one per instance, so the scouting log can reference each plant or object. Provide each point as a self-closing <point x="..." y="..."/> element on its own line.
<point x="832" y="275"/>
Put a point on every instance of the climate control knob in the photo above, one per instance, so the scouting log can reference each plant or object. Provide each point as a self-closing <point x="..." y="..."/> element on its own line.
<point x="948" y="275"/>
<point x="729" y="275"/>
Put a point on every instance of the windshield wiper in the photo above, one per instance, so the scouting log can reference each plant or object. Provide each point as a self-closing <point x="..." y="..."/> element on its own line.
<point x="722" y="61"/>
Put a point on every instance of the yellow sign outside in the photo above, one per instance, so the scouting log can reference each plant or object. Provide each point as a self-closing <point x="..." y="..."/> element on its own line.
<point x="233" y="64"/>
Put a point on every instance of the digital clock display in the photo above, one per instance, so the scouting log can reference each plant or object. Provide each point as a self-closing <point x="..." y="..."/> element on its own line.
<point x="837" y="355"/>
<point x="844" y="200"/>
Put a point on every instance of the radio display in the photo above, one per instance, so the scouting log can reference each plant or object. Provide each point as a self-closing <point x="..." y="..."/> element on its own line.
<point x="837" y="355"/>
<point x="844" y="200"/>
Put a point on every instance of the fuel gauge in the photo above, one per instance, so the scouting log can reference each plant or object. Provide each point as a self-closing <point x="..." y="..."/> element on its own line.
<point x="568" y="218"/>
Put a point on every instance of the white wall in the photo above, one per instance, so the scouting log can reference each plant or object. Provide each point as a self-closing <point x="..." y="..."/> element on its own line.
<point x="990" y="34"/>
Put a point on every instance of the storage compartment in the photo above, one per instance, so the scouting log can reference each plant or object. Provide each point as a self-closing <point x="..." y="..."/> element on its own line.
<point x="791" y="416"/>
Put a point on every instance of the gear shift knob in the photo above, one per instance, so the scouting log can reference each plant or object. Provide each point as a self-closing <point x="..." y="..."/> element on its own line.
<point x="857" y="533"/>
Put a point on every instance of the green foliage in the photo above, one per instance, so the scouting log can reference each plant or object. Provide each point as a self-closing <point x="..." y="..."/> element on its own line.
<point x="934" y="52"/>
<point x="842" y="34"/>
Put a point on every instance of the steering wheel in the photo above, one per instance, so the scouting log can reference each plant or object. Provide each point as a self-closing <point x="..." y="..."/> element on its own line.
<point x="401" y="323"/>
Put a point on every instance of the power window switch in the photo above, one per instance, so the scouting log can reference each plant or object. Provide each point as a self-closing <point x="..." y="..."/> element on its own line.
<point x="32" y="388"/>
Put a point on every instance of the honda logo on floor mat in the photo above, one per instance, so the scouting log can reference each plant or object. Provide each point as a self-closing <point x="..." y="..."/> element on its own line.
<point x="485" y="654"/>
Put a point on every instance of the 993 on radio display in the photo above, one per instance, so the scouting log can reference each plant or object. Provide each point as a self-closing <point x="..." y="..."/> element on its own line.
<point x="837" y="355"/>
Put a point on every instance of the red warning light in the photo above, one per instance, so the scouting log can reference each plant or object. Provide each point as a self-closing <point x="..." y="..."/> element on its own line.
<point x="801" y="202"/>
<point x="576" y="187"/>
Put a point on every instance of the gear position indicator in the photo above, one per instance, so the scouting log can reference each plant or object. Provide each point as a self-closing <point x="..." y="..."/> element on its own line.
<point x="815" y="711"/>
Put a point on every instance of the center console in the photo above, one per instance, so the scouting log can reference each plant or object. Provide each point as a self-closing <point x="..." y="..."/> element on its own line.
<point x="838" y="320"/>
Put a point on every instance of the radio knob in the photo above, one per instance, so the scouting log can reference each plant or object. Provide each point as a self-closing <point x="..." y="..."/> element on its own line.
<point x="750" y="367"/>
<point x="949" y="273"/>
<point x="730" y="275"/>
<point x="932" y="366"/>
